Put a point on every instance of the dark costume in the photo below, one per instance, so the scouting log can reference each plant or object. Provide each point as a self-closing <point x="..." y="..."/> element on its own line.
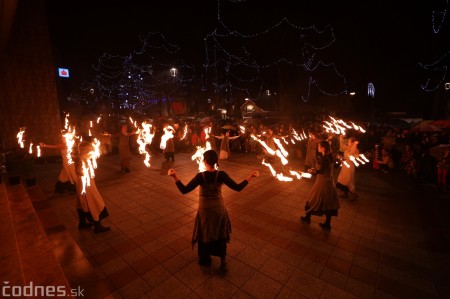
<point x="212" y="226"/>
<point x="169" y="150"/>
<point x="323" y="198"/>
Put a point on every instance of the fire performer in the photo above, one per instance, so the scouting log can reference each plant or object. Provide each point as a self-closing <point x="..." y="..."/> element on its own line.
<point x="323" y="198"/>
<point x="212" y="226"/>
<point x="346" y="179"/>
<point x="225" y="145"/>
<point x="90" y="205"/>
<point x="67" y="177"/>
<point x="124" y="146"/>
<point x="311" y="151"/>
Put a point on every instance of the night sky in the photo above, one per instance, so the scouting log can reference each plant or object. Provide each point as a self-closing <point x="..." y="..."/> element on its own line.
<point x="380" y="42"/>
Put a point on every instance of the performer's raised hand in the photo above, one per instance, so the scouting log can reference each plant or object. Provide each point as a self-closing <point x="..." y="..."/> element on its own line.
<point x="173" y="174"/>
<point x="254" y="174"/>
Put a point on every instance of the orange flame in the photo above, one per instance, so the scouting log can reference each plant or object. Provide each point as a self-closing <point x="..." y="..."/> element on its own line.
<point x="145" y="137"/>
<point x="70" y="142"/>
<point x="20" y="140"/>
<point x="66" y="121"/>
<point x="168" y="133"/>
<point x="185" y="132"/>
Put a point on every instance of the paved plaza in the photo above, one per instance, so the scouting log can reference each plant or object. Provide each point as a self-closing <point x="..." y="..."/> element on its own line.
<point x="393" y="242"/>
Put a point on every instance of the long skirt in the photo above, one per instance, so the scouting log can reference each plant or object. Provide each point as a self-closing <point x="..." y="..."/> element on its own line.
<point x="215" y="248"/>
<point x="91" y="202"/>
<point x="323" y="198"/>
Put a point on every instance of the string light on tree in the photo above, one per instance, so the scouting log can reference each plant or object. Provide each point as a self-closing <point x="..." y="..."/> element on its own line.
<point x="140" y="79"/>
<point x="437" y="71"/>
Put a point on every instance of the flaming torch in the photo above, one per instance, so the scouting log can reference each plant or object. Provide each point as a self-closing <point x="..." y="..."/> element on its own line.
<point x="70" y="141"/>
<point x="145" y="137"/>
<point x="198" y="155"/>
<point x="168" y="133"/>
<point x="20" y="137"/>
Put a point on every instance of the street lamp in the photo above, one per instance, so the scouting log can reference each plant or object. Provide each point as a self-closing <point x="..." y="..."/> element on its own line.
<point x="173" y="72"/>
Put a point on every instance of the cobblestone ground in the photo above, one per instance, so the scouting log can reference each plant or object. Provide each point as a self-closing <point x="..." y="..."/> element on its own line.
<point x="393" y="242"/>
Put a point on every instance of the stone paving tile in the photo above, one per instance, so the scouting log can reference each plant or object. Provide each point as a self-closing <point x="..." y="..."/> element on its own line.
<point x="380" y="245"/>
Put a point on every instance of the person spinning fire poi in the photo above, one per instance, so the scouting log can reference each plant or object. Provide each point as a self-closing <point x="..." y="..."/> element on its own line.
<point x="124" y="146"/>
<point x="322" y="198"/>
<point x="225" y="145"/>
<point x="90" y="205"/>
<point x="212" y="225"/>
<point x="346" y="179"/>
<point x="67" y="177"/>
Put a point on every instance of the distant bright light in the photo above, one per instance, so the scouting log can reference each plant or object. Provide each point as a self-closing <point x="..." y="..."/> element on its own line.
<point x="447" y="86"/>
<point x="173" y="72"/>
<point x="352" y="93"/>
<point x="371" y="90"/>
<point x="64" y="73"/>
<point x="268" y="92"/>
<point x="247" y="99"/>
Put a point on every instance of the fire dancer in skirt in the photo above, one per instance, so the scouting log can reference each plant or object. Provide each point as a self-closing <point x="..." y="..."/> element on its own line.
<point x="90" y="205"/>
<point x="67" y="177"/>
<point x="346" y="182"/>
<point x="124" y="146"/>
<point x="212" y="225"/>
<point x="323" y="198"/>
<point x="225" y="145"/>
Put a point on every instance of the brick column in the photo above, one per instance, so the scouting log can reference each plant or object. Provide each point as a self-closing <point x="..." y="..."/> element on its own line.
<point x="28" y="94"/>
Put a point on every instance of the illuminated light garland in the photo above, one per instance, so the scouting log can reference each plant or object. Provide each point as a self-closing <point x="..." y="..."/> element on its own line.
<point x="438" y="17"/>
<point x="139" y="80"/>
<point x="135" y="81"/>
<point x="438" y="70"/>
<point x="220" y="56"/>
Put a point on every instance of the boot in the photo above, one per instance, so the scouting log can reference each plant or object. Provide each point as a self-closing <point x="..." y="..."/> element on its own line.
<point x="306" y="218"/>
<point x="83" y="220"/>
<point x="223" y="265"/>
<point x="327" y="224"/>
<point x="59" y="187"/>
<point x="205" y="261"/>
<point x="99" y="228"/>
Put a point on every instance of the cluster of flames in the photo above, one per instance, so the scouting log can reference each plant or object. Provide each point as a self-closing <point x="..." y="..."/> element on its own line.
<point x="89" y="162"/>
<point x="338" y="126"/>
<point x="70" y="137"/>
<point x="146" y="134"/>
<point x="198" y="155"/>
<point x="282" y="154"/>
<point x="21" y="142"/>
